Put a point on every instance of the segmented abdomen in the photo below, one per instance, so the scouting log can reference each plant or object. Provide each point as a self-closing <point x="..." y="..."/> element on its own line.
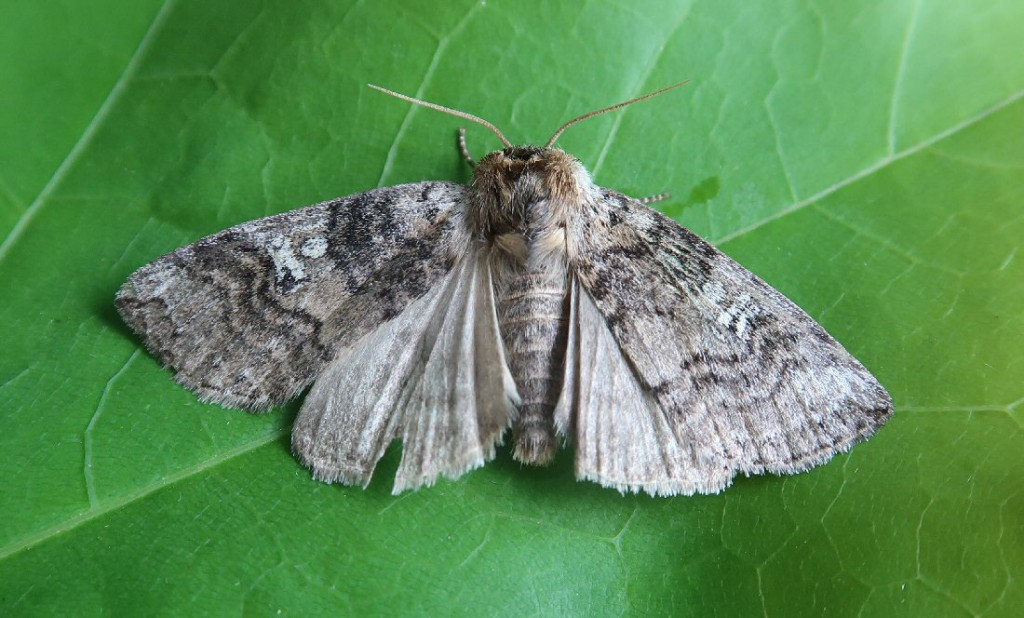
<point x="533" y="317"/>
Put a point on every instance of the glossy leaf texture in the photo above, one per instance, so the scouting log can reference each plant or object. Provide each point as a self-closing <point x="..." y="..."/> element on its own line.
<point x="863" y="157"/>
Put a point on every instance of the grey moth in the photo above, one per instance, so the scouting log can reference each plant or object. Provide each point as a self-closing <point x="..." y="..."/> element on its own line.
<point x="444" y="315"/>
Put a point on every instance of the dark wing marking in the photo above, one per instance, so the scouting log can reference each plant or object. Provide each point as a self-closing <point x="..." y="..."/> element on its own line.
<point x="747" y="381"/>
<point x="249" y="317"/>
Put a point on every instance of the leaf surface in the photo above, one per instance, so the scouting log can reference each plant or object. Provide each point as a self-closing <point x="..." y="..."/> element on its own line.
<point x="863" y="157"/>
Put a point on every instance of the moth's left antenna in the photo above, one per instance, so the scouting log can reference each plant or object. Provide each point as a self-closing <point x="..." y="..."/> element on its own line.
<point x="558" y="133"/>
<point x="447" y="110"/>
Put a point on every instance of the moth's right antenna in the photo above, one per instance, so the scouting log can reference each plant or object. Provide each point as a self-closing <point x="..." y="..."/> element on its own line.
<point x="558" y="133"/>
<point x="448" y="110"/>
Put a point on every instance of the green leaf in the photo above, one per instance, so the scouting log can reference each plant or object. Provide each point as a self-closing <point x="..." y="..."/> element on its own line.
<point x="864" y="158"/>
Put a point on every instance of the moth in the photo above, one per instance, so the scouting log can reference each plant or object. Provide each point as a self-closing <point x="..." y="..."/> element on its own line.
<point x="443" y="315"/>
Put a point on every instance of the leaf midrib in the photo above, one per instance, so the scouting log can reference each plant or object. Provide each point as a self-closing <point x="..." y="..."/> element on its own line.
<point x="881" y="164"/>
<point x="30" y="213"/>
<point x="87" y="515"/>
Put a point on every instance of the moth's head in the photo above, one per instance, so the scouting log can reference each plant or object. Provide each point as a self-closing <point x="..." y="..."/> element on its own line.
<point x="507" y="181"/>
<point x="529" y="173"/>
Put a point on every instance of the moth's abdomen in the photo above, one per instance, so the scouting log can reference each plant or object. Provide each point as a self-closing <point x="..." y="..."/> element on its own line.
<point x="533" y="317"/>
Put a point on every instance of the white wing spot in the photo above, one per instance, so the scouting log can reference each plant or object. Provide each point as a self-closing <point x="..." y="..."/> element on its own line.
<point x="285" y="262"/>
<point x="737" y="314"/>
<point x="314" y="247"/>
<point x="714" y="291"/>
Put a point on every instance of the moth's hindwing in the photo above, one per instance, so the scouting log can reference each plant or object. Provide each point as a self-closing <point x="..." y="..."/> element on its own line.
<point x="730" y="376"/>
<point x="250" y="316"/>
<point x="436" y="377"/>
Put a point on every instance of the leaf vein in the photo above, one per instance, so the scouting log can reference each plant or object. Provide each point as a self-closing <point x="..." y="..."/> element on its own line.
<point x="874" y="167"/>
<point x="648" y="69"/>
<point x="901" y="70"/>
<point x="90" y="480"/>
<point x="428" y="75"/>
<point x="85" y="516"/>
<point x="30" y="213"/>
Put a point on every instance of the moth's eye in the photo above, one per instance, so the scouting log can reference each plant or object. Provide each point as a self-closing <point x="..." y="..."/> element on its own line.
<point x="519" y="155"/>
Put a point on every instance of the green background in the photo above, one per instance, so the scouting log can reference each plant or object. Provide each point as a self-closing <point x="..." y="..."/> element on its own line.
<point x="863" y="157"/>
